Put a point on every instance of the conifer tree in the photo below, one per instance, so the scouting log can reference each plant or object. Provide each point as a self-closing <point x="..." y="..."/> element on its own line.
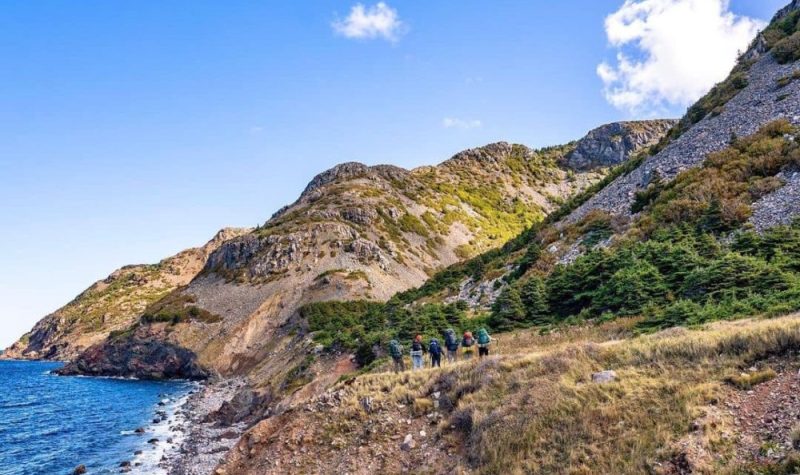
<point x="534" y="298"/>
<point x="508" y="310"/>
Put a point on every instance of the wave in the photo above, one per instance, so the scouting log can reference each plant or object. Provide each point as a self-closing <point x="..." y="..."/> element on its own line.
<point x="11" y="405"/>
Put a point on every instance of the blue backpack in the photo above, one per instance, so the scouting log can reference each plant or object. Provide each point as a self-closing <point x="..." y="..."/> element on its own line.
<point x="450" y="340"/>
<point x="434" y="348"/>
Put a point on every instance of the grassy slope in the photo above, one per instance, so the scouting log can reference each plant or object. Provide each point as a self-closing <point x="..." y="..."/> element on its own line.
<point x="532" y="408"/>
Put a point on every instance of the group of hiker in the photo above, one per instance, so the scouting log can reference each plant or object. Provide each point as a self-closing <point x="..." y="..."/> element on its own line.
<point x="450" y="348"/>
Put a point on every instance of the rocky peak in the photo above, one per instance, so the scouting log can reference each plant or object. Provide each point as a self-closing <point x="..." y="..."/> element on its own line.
<point x="488" y="153"/>
<point x="350" y="170"/>
<point x="611" y="144"/>
<point x="223" y="235"/>
<point x="341" y="171"/>
<point x="794" y="5"/>
<point x="760" y="45"/>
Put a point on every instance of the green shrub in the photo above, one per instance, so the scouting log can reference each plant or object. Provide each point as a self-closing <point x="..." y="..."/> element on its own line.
<point x="630" y="289"/>
<point x="678" y="313"/>
<point x="411" y="224"/>
<point x="177" y="308"/>
<point x="787" y="50"/>
<point x="734" y="274"/>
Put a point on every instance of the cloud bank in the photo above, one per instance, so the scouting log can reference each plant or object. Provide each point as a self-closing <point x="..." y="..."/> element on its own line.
<point x="377" y="21"/>
<point x="671" y="52"/>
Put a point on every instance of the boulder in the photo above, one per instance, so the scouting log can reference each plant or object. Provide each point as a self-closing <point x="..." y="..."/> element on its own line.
<point x="606" y="376"/>
<point x="408" y="443"/>
<point x="246" y="405"/>
<point x="79" y="470"/>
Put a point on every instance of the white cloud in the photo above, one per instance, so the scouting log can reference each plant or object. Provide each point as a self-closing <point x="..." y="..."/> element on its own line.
<point x="455" y="123"/>
<point x="377" y="21"/>
<point x="681" y="49"/>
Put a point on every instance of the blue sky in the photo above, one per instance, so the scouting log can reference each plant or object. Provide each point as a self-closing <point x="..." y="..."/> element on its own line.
<point x="130" y="130"/>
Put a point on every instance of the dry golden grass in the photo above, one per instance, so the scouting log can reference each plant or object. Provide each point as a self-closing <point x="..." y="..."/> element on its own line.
<point x="748" y="380"/>
<point x="532" y="408"/>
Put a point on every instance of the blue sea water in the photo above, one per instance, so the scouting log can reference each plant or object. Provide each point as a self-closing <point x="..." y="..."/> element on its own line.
<point x="50" y="424"/>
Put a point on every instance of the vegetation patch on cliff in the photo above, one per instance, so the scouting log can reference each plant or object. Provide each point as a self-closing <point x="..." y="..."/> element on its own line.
<point x="177" y="308"/>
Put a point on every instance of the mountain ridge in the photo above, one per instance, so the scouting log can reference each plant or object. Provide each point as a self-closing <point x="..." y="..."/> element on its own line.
<point x="374" y="231"/>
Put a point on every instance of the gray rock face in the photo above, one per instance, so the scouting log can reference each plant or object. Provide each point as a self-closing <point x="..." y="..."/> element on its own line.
<point x="761" y="102"/>
<point x="780" y="206"/>
<point x="794" y="5"/>
<point x="614" y="143"/>
<point x="350" y="170"/>
<point x="491" y="153"/>
<point x="141" y="359"/>
<point x="363" y="216"/>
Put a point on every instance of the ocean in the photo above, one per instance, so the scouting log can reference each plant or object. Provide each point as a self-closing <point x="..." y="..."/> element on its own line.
<point x="51" y="424"/>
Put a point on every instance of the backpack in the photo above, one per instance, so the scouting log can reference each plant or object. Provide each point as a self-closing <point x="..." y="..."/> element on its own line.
<point x="467" y="341"/>
<point x="395" y="350"/>
<point x="483" y="337"/>
<point x="450" y="340"/>
<point x="416" y="346"/>
<point x="434" y="348"/>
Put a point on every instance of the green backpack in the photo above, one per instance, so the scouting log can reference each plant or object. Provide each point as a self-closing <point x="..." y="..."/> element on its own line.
<point x="483" y="337"/>
<point x="395" y="350"/>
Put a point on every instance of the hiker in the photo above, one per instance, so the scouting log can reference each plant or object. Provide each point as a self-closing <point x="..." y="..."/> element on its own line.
<point x="417" y="353"/>
<point x="467" y="343"/>
<point x="396" y="352"/>
<point x="451" y="343"/>
<point x="435" y="351"/>
<point x="484" y="340"/>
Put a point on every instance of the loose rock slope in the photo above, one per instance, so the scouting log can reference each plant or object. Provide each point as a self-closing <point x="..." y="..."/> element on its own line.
<point x="764" y="99"/>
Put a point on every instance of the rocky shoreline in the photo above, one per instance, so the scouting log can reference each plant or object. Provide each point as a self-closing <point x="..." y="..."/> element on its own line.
<point x="205" y="441"/>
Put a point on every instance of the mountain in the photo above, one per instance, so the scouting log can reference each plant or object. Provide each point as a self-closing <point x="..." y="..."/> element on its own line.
<point x="355" y="233"/>
<point x="610" y="292"/>
<point x="632" y="364"/>
<point x="112" y="304"/>
<point x="762" y="88"/>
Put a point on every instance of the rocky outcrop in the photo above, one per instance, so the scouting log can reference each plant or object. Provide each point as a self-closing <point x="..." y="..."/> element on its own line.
<point x="245" y="406"/>
<point x="612" y="144"/>
<point x="135" y="358"/>
<point x="352" y="170"/>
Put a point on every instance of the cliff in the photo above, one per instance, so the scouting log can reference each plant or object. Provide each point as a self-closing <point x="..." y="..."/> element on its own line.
<point x="112" y="304"/>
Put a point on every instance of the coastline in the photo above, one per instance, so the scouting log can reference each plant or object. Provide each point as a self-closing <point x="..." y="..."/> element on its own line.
<point x="183" y="436"/>
<point x="203" y="443"/>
